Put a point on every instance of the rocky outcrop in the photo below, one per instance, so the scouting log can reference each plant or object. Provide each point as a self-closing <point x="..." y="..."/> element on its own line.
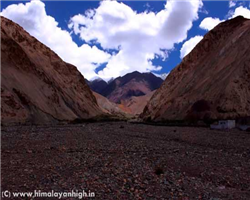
<point x="37" y="86"/>
<point x="212" y="82"/>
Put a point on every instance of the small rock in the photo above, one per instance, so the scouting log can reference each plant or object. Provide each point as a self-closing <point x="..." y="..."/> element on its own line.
<point x="222" y="187"/>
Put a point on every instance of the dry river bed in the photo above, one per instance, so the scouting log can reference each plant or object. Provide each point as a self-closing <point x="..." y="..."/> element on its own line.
<point x="119" y="160"/>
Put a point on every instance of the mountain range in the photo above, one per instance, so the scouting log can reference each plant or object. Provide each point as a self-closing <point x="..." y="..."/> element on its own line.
<point x="130" y="92"/>
<point x="211" y="83"/>
<point x="127" y="86"/>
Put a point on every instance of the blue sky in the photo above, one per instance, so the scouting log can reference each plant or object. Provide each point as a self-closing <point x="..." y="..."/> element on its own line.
<point x="102" y="54"/>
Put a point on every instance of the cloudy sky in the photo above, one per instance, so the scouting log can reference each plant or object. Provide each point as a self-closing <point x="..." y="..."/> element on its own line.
<point x="110" y="38"/>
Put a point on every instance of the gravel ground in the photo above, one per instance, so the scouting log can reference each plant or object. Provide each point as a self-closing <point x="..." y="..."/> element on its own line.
<point x="118" y="160"/>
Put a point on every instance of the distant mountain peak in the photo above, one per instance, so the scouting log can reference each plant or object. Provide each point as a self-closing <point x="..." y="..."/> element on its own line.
<point x="96" y="78"/>
<point x="110" y="80"/>
<point x="131" y="84"/>
<point x="123" y="87"/>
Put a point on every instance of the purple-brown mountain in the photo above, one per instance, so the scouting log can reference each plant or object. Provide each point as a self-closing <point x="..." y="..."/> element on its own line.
<point x="125" y="87"/>
<point x="212" y="82"/>
<point x="37" y="86"/>
<point x="97" y="85"/>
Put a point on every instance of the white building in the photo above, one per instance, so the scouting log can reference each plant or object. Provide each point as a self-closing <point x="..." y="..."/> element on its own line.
<point x="223" y="124"/>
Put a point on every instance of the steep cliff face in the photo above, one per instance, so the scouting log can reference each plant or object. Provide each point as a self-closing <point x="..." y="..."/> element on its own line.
<point x="212" y="82"/>
<point x="37" y="86"/>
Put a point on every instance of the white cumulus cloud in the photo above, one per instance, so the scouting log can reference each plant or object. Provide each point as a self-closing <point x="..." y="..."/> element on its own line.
<point x="138" y="37"/>
<point x="33" y="18"/>
<point x="209" y="23"/>
<point x="188" y="46"/>
<point x="241" y="11"/>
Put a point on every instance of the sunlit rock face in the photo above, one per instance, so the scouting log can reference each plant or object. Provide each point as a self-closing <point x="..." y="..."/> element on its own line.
<point x="37" y="86"/>
<point x="212" y="82"/>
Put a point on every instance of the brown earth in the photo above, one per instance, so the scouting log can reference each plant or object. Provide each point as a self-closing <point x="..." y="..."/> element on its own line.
<point x="135" y="104"/>
<point x="127" y="161"/>
<point x="109" y="107"/>
<point x="128" y="108"/>
<point x="212" y="82"/>
<point x="37" y="86"/>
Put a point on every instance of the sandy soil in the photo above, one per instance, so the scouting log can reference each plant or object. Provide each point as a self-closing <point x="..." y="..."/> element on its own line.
<point x="119" y="160"/>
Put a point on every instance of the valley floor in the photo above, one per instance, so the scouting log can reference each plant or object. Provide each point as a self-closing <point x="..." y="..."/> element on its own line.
<point x="118" y="160"/>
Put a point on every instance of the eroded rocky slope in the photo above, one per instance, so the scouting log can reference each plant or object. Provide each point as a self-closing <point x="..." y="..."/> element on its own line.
<point x="212" y="82"/>
<point x="38" y="86"/>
